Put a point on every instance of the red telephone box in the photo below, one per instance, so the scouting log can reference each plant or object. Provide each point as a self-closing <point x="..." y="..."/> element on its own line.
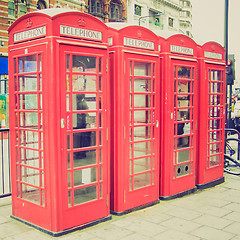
<point x="59" y="114"/>
<point x="211" y="115"/>
<point x="134" y="72"/>
<point x="179" y="117"/>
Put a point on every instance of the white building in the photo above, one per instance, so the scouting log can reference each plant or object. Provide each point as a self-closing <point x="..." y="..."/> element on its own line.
<point x="164" y="17"/>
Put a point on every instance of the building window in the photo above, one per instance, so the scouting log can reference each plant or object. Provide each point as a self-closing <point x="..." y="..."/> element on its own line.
<point x="96" y="7"/>
<point x="11" y="9"/>
<point x="170" y="22"/>
<point x="41" y="4"/>
<point x="115" y="11"/>
<point x="22" y="8"/>
<point x="137" y="10"/>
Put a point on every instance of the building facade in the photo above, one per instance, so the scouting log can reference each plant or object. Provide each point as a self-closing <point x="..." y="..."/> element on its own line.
<point x="105" y="10"/>
<point x="164" y="17"/>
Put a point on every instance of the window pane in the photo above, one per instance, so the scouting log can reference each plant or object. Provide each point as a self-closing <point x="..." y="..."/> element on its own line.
<point x="142" y="133"/>
<point x="84" y="139"/>
<point x="28" y="83"/>
<point x="142" y="101"/>
<point x="141" y="165"/>
<point x="142" y="85"/>
<point x="27" y="64"/>
<point x="84" y="102"/>
<point x="84" y="83"/>
<point x="142" y="69"/>
<point x="85" y="194"/>
<point x="84" y="176"/>
<point x="84" y="158"/>
<point x="83" y="64"/>
<point x="142" y="149"/>
<point x="142" y="180"/>
<point x="184" y="72"/>
<point x="142" y="117"/>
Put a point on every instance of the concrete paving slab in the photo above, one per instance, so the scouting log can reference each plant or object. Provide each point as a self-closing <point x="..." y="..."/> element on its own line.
<point x="175" y="235"/>
<point x="209" y="233"/>
<point x="212" y="221"/>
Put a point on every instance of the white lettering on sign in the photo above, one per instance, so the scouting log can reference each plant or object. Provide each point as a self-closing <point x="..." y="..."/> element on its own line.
<point x="212" y="55"/>
<point x="131" y="42"/>
<point x="183" y="50"/>
<point x="79" y="32"/>
<point x="32" y="33"/>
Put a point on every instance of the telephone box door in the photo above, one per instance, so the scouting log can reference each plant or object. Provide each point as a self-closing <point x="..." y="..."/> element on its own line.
<point x="183" y="149"/>
<point x="213" y="167"/>
<point x="141" y="161"/>
<point x="84" y="134"/>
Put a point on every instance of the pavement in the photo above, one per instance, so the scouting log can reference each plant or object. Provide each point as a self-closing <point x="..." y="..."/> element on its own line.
<point x="212" y="213"/>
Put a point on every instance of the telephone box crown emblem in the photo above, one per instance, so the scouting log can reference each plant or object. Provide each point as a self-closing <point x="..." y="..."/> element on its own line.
<point x="139" y="34"/>
<point x="81" y="22"/>
<point x="29" y="23"/>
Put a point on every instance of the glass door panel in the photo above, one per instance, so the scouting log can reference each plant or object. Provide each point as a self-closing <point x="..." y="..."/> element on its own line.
<point x="84" y="104"/>
<point x="215" y="119"/>
<point x="184" y="148"/>
<point x="142" y="123"/>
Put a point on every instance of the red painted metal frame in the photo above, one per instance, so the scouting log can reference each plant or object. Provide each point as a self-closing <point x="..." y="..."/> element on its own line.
<point x="211" y="58"/>
<point x="177" y="178"/>
<point x="123" y="198"/>
<point x="52" y="212"/>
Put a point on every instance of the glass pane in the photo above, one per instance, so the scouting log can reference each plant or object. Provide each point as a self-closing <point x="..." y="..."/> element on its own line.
<point x="184" y="100"/>
<point x="84" y="139"/>
<point x="30" y="176"/>
<point x="142" y="85"/>
<point x="215" y="124"/>
<point x="184" y="114"/>
<point x="84" y="176"/>
<point x="29" y="120"/>
<point x="83" y="64"/>
<point x="215" y="99"/>
<point x="142" y="149"/>
<point x="84" y="158"/>
<point x="29" y="139"/>
<point x="30" y="158"/>
<point x="141" y="165"/>
<point x="215" y="136"/>
<point x="68" y="62"/>
<point x="100" y="65"/>
<point x="27" y="64"/>
<point x="142" y="101"/>
<point x="142" y="133"/>
<point x="215" y="112"/>
<point x="100" y="83"/>
<point x="182" y="142"/>
<point x="215" y="87"/>
<point x="30" y="193"/>
<point x="184" y="87"/>
<point x="214" y="148"/>
<point x="184" y="72"/>
<point x="142" y="69"/>
<point x="68" y="82"/>
<point x="85" y="194"/>
<point x="39" y="62"/>
<point x="84" y="83"/>
<point x="183" y="156"/>
<point x="142" y="117"/>
<point x="40" y="82"/>
<point x="28" y="83"/>
<point x="216" y="75"/>
<point x="142" y="180"/>
<point x="28" y="101"/>
<point x="84" y="120"/>
<point x="215" y="160"/>
<point x="84" y="102"/>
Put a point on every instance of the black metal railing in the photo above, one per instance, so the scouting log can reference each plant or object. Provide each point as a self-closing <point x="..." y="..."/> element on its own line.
<point x="5" y="179"/>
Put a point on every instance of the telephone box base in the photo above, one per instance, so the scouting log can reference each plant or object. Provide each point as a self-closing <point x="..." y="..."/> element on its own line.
<point x="135" y="209"/>
<point x="179" y="195"/>
<point x="211" y="184"/>
<point x="60" y="233"/>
